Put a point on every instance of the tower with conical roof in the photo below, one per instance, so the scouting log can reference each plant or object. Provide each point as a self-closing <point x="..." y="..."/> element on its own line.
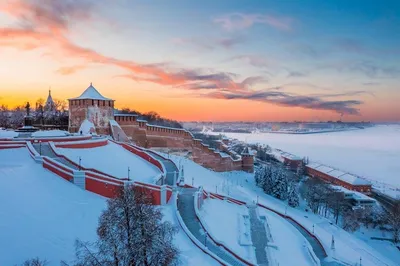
<point x="49" y="106"/>
<point x="93" y="106"/>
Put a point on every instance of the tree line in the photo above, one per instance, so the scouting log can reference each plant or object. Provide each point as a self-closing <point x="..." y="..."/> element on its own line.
<point x="152" y="118"/>
<point x="276" y="181"/>
<point x="14" y="117"/>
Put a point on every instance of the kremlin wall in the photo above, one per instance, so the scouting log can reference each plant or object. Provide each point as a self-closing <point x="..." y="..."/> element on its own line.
<point x="99" y="110"/>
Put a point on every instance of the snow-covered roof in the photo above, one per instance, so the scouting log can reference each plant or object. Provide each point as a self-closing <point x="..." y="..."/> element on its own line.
<point x="354" y="180"/>
<point x="336" y="173"/>
<point x="313" y="165"/>
<point x="324" y="169"/>
<point x="346" y="177"/>
<point x="92" y="94"/>
<point x="291" y="156"/>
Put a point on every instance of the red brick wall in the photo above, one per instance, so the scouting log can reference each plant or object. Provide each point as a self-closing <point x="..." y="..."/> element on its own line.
<point x="97" y="111"/>
<point x="330" y="179"/>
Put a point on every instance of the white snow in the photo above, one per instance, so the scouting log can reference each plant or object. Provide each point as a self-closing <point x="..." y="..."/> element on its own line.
<point x="221" y="220"/>
<point x="114" y="160"/>
<point x="282" y="231"/>
<point x="92" y="94"/>
<point x="241" y="186"/>
<point x="8" y="133"/>
<point x="373" y="153"/>
<point x="50" y="133"/>
<point x="87" y="128"/>
<point x="41" y="213"/>
<point x="189" y="253"/>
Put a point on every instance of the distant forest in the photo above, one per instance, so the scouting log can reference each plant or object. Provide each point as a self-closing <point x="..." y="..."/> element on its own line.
<point x="152" y="118"/>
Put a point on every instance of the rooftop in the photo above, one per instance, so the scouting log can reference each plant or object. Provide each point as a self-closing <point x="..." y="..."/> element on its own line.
<point x="92" y="94"/>
<point x="341" y="175"/>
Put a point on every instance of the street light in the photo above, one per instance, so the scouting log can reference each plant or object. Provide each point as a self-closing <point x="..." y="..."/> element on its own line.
<point x="313" y="228"/>
<point x="80" y="159"/>
<point x="129" y="170"/>
<point x="40" y="147"/>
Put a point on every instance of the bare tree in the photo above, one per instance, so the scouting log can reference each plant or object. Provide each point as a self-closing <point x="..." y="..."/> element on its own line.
<point x="131" y="232"/>
<point x="4" y="116"/>
<point x="393" y="219"/>
<point x="35" y="262"/>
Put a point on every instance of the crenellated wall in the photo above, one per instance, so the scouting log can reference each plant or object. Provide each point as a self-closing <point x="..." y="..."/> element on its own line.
<point x="101" y="114"/>
<point x="152" y="136"/>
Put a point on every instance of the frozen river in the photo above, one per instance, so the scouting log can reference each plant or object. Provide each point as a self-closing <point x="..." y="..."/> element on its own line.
<point x="373" y="153"/>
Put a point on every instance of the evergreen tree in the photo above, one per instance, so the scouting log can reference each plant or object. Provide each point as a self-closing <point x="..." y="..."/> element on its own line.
<point x="293" y="197"/>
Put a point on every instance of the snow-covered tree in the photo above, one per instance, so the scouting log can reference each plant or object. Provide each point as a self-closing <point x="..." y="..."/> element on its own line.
<point x="293" y="196"/>
<point x="130" y="232"/>
<point x="280" y="188"/>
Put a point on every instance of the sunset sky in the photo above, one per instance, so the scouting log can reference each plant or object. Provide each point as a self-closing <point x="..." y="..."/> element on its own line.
<point x="213" y="60"/>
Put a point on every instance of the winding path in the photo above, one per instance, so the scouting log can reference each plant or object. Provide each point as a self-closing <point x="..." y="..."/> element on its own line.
<point x="187" y="212"/>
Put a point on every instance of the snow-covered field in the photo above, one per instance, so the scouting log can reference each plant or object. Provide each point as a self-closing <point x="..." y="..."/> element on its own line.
<point x="50" y="133"/>
<point x="8" y="133"/>
<point x="221" y="220"/>
<point x="41" y="214"/>
<point x="281" y="231"/>
<point x="373" y="153"/>
<point x="114" y="160"/>
<point x="241" y="186"/>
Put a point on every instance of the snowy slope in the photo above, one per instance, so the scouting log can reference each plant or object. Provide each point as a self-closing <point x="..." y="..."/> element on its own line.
<point x="372" y="153"/>
<point x="41" y="213"/>
<point x="189" y="253"/>
<point x="241" y="186"/>
<point x="281" y="231"/>
<point x="114" y="160"/>
<point x="50" y="133"/>
<point x="221" y="219"/>
<point x="8" y="134"/>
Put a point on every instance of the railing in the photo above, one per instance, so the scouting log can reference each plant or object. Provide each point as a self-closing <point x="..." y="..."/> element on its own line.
<point x="194" y="239"/>
<point x="217" y="242"/>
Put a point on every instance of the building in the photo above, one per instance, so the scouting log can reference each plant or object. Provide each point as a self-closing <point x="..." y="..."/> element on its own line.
<point x="100" y="112"/>
<point x="337" y="177"/>
<point x="292" y="161"/>
<point x="49" y="105"/>
<point x="354" y="197"/>
<point x="93" y="106"/>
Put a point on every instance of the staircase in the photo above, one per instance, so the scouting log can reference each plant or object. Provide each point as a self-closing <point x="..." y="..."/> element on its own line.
<point x="258" y="236"/>
<point x="44" y="149"/>
<point x="187" y="212"/>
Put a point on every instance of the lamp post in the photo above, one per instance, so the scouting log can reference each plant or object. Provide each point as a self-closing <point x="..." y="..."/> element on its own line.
<point x="313" y="228"/>
<point x="129" y="171"/>
<point x="80" y="159"/>
<point x="40" y="147"/>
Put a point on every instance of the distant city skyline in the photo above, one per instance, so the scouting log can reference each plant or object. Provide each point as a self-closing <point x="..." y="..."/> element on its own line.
<point x="208" y="61"/>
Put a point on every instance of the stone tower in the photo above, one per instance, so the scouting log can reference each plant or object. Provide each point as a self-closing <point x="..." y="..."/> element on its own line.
<point x="93" y="106"/>
<point x="247" y="161"/>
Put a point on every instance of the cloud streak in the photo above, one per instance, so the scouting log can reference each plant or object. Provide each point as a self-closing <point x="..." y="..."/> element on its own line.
<point x="348" y="107"/>
<point x="46" y="24"/>
<point x="240" y="21"/>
